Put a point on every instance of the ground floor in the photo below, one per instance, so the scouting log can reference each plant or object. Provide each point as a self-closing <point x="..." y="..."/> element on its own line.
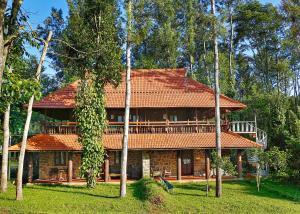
<point x="172" y="164"/>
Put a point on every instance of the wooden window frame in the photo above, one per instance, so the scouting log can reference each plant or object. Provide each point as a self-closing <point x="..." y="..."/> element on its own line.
<point x="60" y="155"/>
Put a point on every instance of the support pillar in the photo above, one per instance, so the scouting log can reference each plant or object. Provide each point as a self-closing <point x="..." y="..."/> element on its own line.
<point x="146" y="164"/>
<point x="106" y="170"/>
<point x="239" y="163"/>
<point x="70" y="168"/>
<point x="179" y="165"/>
<point x="207" y="164"/>
<point x="30" y="167"/>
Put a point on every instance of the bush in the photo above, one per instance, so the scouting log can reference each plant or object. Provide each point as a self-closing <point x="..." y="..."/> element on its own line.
<point x="152" y="191"/>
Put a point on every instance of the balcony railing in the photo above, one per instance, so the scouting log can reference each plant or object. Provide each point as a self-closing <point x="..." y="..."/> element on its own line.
<point x="163" y="127"/>
<point x="241" y="127"/>
<point x="138" y="127"/>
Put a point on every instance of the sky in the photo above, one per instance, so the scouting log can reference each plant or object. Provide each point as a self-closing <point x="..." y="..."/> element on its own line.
<point x="39" y="10"/>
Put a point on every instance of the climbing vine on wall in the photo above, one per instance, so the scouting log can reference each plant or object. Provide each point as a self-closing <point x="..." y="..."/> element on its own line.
<point x="91" y="116"/>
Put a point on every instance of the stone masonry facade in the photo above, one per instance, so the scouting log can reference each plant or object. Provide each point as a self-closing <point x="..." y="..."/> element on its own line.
<point x="49" y="171"/>
<point x="164" y="160"/>
<point x="199" y="162"/>
<point x="159" y="161"/>
<point x="134" y="162"/>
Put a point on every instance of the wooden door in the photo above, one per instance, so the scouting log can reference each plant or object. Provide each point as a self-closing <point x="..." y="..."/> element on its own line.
<point x="187" y="162"/>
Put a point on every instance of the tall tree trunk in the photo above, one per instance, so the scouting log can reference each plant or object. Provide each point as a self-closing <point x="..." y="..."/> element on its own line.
<point x="231" y="73"/>
<point x="5" y="150"/>
<point x="205" y="65"/>
<point x="19" y="189"/>
<point x="127" y="103"/>
<point x="217" y="101"/>
<point x="2" y="60"/>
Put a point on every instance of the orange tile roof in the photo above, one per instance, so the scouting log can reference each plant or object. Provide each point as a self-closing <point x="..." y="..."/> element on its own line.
<point x="43" y="142"/>
<point x="158" y="88"/>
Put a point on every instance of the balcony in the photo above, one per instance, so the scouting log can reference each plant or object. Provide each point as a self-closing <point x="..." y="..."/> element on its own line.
<point x="155" y="127"/>
<point x="138" y="127"/>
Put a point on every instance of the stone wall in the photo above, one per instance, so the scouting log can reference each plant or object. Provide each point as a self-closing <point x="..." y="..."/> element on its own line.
<point x="164" y="160"/>
<point x="49" y="171"/>
<point x="199" y="162"/>
<point x="134" y="163"/>
<point x="159" y="161"/>
<point x="76" y="165"/>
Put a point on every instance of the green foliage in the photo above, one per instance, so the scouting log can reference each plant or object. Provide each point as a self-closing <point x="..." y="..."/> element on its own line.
<point x="155" y="33"/>
<point x="89" y="49"/>
<point x="91" y="115"/>
<point x="17" y="90"/>
<point x="276" y="159"/>
<point x="224" y="162"/>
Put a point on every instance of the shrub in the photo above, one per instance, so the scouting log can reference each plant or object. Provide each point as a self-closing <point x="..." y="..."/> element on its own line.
<point x="152" y="191"/>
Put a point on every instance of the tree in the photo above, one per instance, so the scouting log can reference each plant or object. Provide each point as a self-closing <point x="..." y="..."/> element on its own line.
<point x="217" y="100"/>
<point x="6" y="40"/>
<point x="191" y="15"/>
<point x="19" y="187"/>
<point x="153" y="20"/>
<point x="274" y="158"/>
<point x="88" y="48"/>
<point x="127" y="103"/>
<point x="15" y="89"/>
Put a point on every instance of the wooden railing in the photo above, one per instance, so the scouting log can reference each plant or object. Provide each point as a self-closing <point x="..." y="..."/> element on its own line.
<point x="138" y="127"/>
<point x="241" y="127"/>
<point x="59" y="128"/>
<point x="164" y="127"/>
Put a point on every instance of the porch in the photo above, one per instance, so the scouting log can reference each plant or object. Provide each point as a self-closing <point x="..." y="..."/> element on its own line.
<point x="190" y="164"/>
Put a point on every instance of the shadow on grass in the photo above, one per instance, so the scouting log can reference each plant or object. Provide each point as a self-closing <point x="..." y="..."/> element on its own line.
<point x="72" y="190"/>
<point x="190" y="186"/>
<point x="268" y="189"/>
<point x="199" y="187"/>
<point x="138" y="188"/>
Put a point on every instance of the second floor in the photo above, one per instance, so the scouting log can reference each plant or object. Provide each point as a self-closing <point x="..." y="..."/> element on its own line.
<point x="162" y="101"/>
<point x="178" y="120"/>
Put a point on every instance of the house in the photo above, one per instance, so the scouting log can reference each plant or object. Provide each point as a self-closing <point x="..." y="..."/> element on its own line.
<point x="171" y="130"/>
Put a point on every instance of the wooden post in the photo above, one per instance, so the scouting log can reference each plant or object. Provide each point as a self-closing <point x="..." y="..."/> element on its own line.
<point x="30" y="167"/>
<point x="239" y="163"/>
<point x="207" y="164"/>
<point x="179" y="165"/>
<point x="106" y="170"/>
<point x="70" y="167"/>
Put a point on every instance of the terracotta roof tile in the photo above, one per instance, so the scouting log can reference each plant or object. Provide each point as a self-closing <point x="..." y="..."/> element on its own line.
<point x="43" y="142"/>
<point x="150" y="88"/>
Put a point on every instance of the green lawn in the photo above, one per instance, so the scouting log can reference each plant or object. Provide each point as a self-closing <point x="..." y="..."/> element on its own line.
<point x="238" y="197"/>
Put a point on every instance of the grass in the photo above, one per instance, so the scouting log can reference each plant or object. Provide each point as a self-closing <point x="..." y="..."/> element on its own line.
<point x="238" y="197"/>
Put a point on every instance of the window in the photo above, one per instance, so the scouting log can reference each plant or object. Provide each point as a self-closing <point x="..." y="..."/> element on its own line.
<point x="60" y="158"/>
<point x="117" y="157"/>
<point x="120" y="118"/>
<point x="173" y="118"/>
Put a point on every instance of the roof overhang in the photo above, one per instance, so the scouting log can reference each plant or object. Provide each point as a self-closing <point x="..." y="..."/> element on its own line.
<point x="167" y="141"/>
